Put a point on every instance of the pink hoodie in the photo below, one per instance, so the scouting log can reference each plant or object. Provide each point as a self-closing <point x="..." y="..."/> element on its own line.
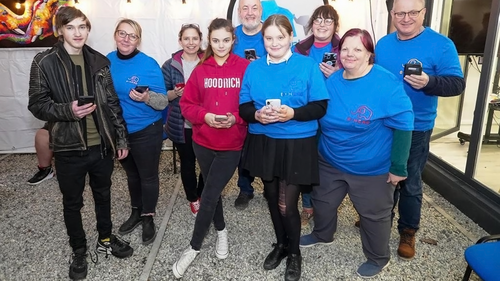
<point x="212" y="88"/>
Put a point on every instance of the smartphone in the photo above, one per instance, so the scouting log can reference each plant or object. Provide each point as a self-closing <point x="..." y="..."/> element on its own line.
<point x="413" y="68"/>
<point x="141" y="89"/>
<point x="220" y="118"/>
<point x="85" y="100"/>
<point x="250" y="54"/>
<point x="180" y="85"/>
<point x="274" y="103"/>
<point x="330" y="58"/>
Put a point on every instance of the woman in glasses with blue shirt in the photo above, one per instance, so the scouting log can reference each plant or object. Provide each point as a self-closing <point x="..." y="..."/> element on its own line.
<point x="138" y="81"/>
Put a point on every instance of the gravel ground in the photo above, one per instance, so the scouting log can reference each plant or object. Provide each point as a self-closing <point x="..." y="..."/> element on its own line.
<point x="34" y="244"/>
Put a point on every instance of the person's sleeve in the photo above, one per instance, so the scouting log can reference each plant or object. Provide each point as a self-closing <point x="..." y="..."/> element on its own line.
<point x="398" y="109"/>
<point x="312" y="111"/>
<point x="191" y="100"/>
<point x="317" y="89"/>
<point x="247" y="112"/>
<point x="444" y="86"/>
<point x="242" y="66"/>
<point x="167" y="75"/>
<point x="400" y="151"/>
<point x="40" y="102"/>
<point x="449" y="79"/>
<point x="117" y="114"/>
<point x="158" y="99"/>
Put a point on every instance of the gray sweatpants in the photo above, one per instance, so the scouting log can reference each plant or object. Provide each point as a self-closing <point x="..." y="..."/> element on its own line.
<point x="373" y="199"/>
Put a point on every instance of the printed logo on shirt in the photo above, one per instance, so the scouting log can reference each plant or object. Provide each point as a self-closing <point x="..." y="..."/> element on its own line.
<point x="134" y="80"/>
<point x="222" y="83"/>
<point x="362" y="115"/>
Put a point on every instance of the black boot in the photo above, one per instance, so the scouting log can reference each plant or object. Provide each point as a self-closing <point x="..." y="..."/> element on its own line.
<point x="148" y="230"/>
<point x="275" y="256"/>
<point x="132" y="222"/>
<point x="293" y="267"/>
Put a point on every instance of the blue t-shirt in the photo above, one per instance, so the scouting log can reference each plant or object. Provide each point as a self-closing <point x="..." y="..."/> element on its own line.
<point x="438" y="56"/>
<point x="244" y="41"/>
<point x="356" y="132"/>
<point x="296" y="82"/>
<point x="317" y="53"/>
<point x="141" y="70"/>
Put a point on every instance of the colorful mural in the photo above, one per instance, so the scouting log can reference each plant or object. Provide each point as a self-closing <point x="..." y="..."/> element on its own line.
<point x="28" y="23"/>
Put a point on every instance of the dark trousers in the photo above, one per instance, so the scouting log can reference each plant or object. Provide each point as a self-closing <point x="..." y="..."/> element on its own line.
<point x="372" y="198"/>
<point x="286" y="222"/>
<point x="410" y="191"/>
<point x="192" y="187"/>
<point x="141" y="166"/>
<point x="217" y="168"/>
<point x="72" y="168"/>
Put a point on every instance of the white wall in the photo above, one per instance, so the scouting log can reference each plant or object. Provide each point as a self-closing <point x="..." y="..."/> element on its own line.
<point x="160" y="21"/>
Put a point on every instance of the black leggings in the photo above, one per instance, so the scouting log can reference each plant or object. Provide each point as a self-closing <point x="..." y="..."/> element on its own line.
<point x="284" y="213"/>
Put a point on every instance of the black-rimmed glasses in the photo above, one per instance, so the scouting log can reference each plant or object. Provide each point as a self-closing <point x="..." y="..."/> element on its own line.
<point x="411" y="14"/>
<point x="131" y="36"/>
<point x="327" y="22"/>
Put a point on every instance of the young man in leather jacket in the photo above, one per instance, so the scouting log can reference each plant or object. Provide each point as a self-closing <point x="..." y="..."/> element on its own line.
<point x="86" y="133"/>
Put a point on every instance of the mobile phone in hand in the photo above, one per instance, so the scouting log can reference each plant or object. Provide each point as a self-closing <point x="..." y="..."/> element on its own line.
<point x="141" y="89"/>
<point x="250" y="54"/>
<point x="85" y="100"/>
<point x="220" y="118"/>
<point x="330" y="58"/>
<point x="274" y="103"/>
<point x="180" y="85"/>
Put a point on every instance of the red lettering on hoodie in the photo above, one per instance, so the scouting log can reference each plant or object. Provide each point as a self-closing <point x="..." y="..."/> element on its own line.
<point x="214" y="88"/>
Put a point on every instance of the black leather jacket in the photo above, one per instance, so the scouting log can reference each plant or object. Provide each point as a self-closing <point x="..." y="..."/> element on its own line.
<point x="52" y="90"/>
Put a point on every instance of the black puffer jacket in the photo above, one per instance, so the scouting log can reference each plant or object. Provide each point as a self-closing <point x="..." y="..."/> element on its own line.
<point x="52" y="90"/>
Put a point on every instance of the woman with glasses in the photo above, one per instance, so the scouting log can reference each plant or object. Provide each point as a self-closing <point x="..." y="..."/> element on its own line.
<point x="210" y="103"/>
<point x="363" y="150"/>
<point x="323" y="43"/>
<point x="324" y="24"/>
<point x="176" y="72"/>
<point x="282" y="98"/>
<point x="138" y="81"/>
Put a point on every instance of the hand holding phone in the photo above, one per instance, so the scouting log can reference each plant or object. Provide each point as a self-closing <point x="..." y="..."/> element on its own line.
<point x="141" y="89"/>
<point x="250" y="54"/>
<point x="180" y="85"/>
<point x="330" y="58"/>
<point x="85" y="100"/>
<point x="221" y="118"/>
<point x="275" y="104"/>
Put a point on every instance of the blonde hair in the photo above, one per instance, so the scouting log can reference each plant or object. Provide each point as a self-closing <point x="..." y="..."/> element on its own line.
<point x="135" y="26"/>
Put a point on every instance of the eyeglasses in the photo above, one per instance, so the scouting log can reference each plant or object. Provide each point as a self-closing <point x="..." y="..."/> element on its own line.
<point x="192" y="25"/>
<point x="131" y="36"/>
<point x="411" y="14"/>
<point x="327" y="22"/>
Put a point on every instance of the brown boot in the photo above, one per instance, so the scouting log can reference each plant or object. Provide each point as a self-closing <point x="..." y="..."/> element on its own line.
<point x="406" y="249"/>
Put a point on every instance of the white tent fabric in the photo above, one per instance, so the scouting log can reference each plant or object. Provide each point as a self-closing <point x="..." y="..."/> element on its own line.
<point x="160" y="21"/>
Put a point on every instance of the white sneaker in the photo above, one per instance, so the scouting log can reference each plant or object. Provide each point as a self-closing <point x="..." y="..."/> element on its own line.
<point x="184" y="261"/>
<point x="221" y="245"/>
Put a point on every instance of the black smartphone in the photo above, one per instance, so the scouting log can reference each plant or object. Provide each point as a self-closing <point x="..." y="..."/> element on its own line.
<point x="250" y="54"/>
<point x="413" y="68"/>
<point x="85" y="99"/>
<point x="141" y="89"/>
<point x="330" y="58"/>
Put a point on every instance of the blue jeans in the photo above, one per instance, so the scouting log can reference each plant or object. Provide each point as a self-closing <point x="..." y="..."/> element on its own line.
<point x="410" y="192"/>
<point x="244" y="179"/>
